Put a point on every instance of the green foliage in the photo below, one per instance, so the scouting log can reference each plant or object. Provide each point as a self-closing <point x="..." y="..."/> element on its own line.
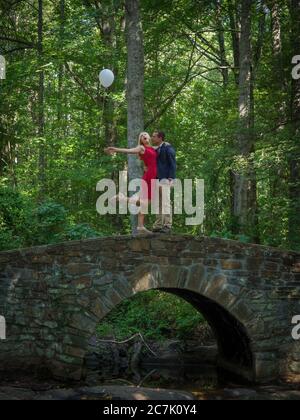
<point x="7" y="239"/>
<point x="197" y="111"/>
<point x="52" y="218"/>
<point x="229" y="235"/>
<point x="81" y="231"/>
<point x="154" y="314"/>
<point x="22" y="224"/>
<point x="16" y="223"/>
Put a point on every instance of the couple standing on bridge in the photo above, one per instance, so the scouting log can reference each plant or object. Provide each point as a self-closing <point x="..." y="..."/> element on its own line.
<point x="159" y="158"/>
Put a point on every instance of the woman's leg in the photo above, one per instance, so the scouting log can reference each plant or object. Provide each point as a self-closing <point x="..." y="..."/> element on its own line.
<point x="141" y="217"/>
<point x="141" y="220"/>
<point x="137" y="201"/>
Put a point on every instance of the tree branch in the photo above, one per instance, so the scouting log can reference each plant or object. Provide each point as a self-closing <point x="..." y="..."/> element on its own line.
<point x="80" y="83"/>
<point x="18" y="41"/>
<point x="203" y="51"/>
<point x="17" y="49"/>
<point x="168" y="102"/>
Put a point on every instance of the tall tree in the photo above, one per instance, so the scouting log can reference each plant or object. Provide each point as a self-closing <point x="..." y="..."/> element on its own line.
<point x="235" y="35"/>
<point x="135" y="84"/>
<point x="41" y="105"/>
<point x="106" y="15"/>
<point x="275" y="10"/>
<point x="294" y="161"/>
<point x="109" y="34"/>
<point x="244" y="183"/>
<point x="221" y="41"/>
<point x="62" y="22"/>
<point x="279" y="77"/>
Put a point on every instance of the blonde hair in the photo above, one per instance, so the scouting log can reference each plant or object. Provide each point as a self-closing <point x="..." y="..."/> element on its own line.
<point x="142" y="135"/>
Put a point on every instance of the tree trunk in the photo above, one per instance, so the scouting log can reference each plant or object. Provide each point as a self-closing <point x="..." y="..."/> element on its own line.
<point x="277" y="173"/>
<point x="108" y="29"/>
<point x="278" y="72"/>
<point x="61" y="70"/>
<point x="106" y="17"/>
<point x="294" y="163"/>
<point x="221" y="40"/>
<point x="244" y="181"/>
<point x="41" y="117"/>
<point x="235" y="36"/>
<point x="260" y="36"/>
<point x="276" y="35"/>
<point x="135" y="85"/>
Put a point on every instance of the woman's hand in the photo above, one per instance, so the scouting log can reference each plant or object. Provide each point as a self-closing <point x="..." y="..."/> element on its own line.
<point x="110" y="150"/>
<point x="134" y="151"/>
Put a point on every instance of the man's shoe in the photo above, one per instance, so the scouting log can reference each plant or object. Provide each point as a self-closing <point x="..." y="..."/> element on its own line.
<point x="157" y="230"/>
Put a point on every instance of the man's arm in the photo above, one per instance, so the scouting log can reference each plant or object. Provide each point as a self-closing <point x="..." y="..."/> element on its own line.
<point x="171" y="158"/>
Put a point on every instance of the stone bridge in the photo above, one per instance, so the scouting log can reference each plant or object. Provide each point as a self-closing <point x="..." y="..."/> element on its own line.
<point x="53" y="297"/>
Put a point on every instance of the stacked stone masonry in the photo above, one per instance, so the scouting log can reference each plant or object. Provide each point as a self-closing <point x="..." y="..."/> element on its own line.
<point x="53" y="297"/>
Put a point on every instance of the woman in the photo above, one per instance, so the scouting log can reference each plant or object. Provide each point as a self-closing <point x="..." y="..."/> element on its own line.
<point x="149" y="156"/>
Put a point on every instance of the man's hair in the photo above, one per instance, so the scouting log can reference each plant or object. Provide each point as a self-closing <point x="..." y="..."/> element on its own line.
<point x="161" y="135"/>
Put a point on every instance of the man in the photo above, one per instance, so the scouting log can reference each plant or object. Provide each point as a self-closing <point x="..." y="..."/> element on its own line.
<point x="166" y="173"/>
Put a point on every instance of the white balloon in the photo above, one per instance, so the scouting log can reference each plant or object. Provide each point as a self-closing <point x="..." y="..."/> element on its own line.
<point x="106" y="78"/>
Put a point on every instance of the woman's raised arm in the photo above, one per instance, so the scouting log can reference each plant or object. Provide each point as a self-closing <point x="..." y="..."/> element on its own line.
<point x="135" y="151"/>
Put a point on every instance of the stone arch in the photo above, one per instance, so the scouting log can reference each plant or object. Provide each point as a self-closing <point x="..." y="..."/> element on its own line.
<point x="208" y="292"/>
<point x="58" y="294"/>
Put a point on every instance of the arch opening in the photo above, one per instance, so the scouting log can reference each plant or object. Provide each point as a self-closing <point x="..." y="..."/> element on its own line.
<point x="234" y="346"/>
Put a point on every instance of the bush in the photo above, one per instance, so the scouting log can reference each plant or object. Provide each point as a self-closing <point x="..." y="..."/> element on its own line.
<point x="8" y="240"/>
<point x="54" y="225"/>
<point x="22" y="224"/>
<point x="81" y="231"/>
<point x="16" y="223"/>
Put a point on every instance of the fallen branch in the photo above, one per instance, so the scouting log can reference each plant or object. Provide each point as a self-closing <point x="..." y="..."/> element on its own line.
<point x="130" y="339"/>
<point x="146" y="377"/>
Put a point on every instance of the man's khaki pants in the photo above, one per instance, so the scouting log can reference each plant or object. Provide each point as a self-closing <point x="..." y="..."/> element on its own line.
<point x="165" y="216"/>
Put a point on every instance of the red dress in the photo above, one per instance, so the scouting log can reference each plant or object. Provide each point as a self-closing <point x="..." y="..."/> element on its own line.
<point x="150" y="160"/>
